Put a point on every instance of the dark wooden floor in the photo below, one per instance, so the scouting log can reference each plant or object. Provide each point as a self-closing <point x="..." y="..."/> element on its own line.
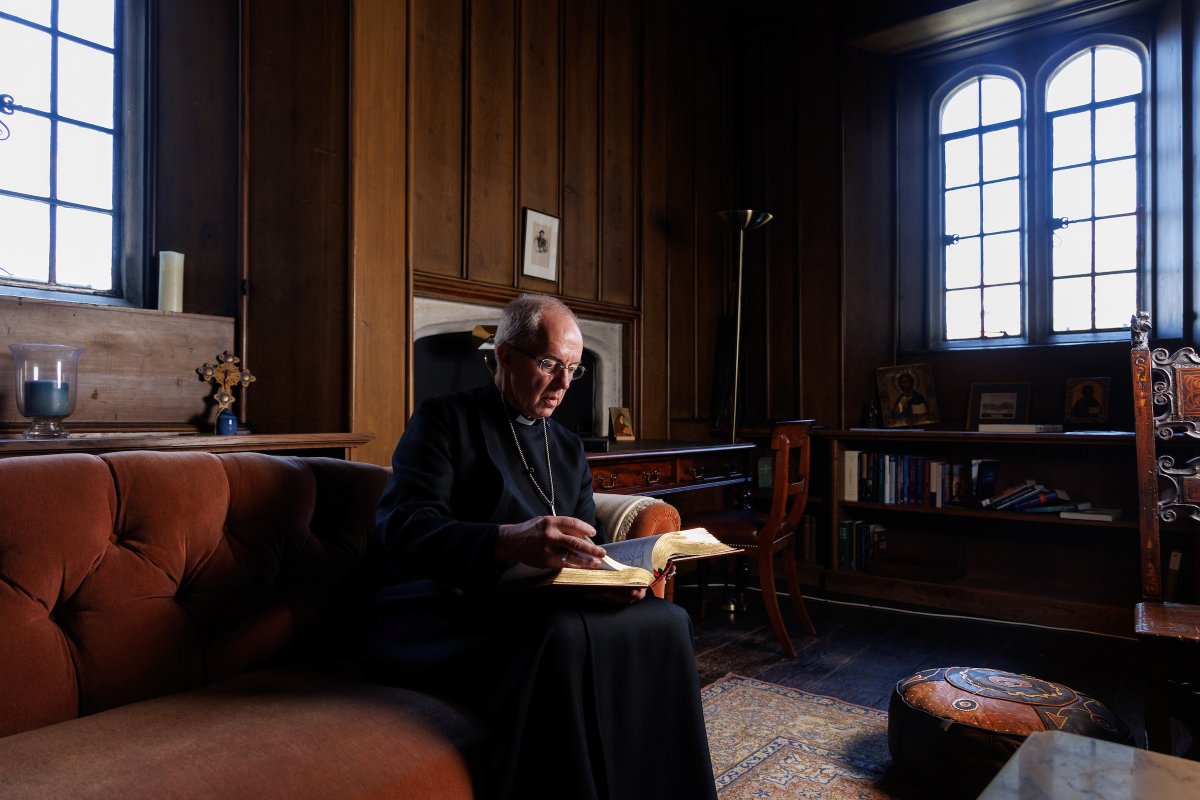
<point x="859" y="653"/>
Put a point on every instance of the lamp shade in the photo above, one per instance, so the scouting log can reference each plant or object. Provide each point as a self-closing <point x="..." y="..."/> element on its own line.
<point x="745" y="219"/>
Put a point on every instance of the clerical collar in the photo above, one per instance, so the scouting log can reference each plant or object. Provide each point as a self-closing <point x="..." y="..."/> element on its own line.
<point x="518" y="416"/>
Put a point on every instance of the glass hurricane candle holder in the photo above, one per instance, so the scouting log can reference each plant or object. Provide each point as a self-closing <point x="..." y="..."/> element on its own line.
<point x="46" y="377"/>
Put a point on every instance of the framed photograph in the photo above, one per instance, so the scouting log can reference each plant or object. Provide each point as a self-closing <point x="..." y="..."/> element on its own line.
<point x="539" y="254"/>
<point x="997" y="402"/>
<point x="1087" y="401"/>
<point x="621" y="424"/>
<point x="906" y="395"/>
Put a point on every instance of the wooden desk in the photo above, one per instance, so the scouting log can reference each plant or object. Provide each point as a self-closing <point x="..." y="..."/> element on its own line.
<point x="666" y="467"/>
<point x="337" y="444"/>
<point x="1053" y="765"/>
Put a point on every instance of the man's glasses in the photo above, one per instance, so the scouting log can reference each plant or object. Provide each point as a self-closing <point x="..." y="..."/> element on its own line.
<point x="552" y="366"/>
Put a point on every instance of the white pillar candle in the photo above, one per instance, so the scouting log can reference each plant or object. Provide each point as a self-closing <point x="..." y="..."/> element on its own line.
<point x="170" y="281"/>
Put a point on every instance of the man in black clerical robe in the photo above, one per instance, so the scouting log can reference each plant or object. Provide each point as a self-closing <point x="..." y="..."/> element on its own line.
<point x="587" y="693"/>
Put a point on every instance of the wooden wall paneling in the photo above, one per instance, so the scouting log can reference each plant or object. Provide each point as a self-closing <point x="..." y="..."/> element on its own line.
<point x="1191" y="138"/>
<point x="195" y="155"/>
<point x="818" y="242"/>
<point x="539" y="160"/>
<point x="1166" y="234"/>
<point x="714" y="176"/>
<point x="138" y="368"/>
<point x="681" y="227"/>
<point x="381" y="291"/>
<point x="1192" y="130"/>
<point x="767" y="161"/>
<point x="868" y="290"/>
<point x="650" y="386"/>
<point x="491" y="142"/>
<point x="619" y="203"/>
<point x="579" y="232"/>
<point x="437" y="137"/>
<point x="297" y="214"/>
<point x="954" y="372"/>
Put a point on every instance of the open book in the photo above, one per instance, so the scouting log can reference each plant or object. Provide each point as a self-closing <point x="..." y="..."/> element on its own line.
<point x="632" y="562"/>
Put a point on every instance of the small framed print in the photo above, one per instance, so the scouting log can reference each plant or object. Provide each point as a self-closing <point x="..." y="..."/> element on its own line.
<point x="997" y="402"/>
<point x="621" y="424"/>
<point x="1087" y="401"/>
<point x="906" y="395"/>
<point x="539" y="254"/>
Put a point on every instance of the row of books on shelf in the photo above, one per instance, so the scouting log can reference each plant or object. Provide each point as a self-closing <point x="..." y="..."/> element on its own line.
<point x="901" y="479"/>
<point x="863" y="547"/>
<point x="917" y="480"/>
<point x="860" y="542"/>
<point x="1032" y="497"/>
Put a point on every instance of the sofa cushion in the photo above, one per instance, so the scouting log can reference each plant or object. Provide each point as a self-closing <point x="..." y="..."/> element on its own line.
<point x="286" y="733"/>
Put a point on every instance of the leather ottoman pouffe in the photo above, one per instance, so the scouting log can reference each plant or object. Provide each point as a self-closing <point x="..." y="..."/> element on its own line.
<point x="955" y="727"/>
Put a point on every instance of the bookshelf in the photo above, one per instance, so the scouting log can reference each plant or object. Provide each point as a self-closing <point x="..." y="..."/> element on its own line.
<point x="1011" y="565"/>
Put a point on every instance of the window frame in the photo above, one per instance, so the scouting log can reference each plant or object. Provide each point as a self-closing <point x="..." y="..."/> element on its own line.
<point x="936" y="303"/>
<point x="130" y="184"/>
<point x="1030" y="56"/>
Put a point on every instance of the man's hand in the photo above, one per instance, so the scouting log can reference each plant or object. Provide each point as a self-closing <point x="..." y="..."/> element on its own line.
<point x="549" y="542"/>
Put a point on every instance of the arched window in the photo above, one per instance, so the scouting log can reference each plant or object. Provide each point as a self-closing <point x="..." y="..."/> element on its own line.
<point x="1040" y="229"/>
<point x="1094" y="118"/>
<point x="982" y="186"/>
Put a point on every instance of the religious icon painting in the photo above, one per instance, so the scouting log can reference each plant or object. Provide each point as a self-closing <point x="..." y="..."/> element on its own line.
<point x="1086" y="401"/>
<point x="621" y="424"/>
<point x="907" y="398"/>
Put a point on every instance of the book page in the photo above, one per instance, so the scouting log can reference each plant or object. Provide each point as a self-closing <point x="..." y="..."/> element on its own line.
<point x="631" y="553"/>
<point x="692" y="543"/>
<point x="632" y="562"/>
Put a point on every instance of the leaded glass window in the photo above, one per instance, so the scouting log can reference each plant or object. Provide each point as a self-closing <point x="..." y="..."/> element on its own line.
<point x="60" y="162"/>
<point x="980" y="130"/>
<point x="1094" y="117"/>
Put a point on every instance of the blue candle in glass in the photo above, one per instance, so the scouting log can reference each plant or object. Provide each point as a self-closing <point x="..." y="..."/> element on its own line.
<point x="47" y="399"/>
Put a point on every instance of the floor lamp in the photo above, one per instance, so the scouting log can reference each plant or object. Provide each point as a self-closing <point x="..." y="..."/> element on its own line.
<point x="741" y="220"/>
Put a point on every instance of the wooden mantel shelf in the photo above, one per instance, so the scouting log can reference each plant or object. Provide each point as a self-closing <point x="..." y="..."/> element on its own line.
<point x="210" y="443"/>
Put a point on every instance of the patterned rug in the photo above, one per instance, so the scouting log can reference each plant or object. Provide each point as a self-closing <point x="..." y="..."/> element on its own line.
<point x="770" y="741"/>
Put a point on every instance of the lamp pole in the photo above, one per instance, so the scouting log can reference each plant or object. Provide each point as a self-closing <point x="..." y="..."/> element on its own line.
<point x="741" y="220"/>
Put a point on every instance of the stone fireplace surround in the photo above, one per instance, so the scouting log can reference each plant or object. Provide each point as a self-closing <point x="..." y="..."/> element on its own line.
<point x="605" y="339"/>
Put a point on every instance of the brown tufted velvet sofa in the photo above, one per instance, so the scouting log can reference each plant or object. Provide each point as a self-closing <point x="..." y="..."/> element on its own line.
<point x="184" y="625"/>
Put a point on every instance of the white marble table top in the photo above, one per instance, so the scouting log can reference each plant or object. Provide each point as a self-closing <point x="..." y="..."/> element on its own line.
<point x="1065" y="766"/>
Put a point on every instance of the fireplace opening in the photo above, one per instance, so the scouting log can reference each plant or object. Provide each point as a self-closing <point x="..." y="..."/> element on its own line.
<point x="450" y="362"/>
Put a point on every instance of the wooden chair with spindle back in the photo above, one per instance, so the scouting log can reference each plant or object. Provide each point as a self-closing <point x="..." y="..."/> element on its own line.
<point x="1166" y="409"/>
<point x="774" y="533"/>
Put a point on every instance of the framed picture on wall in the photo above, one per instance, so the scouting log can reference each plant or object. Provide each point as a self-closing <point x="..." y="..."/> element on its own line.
<point x="1087" y="401"/>
<point x="906" y="395"/>
<point x="539" y="252"/>
<point x="997" y="402"/>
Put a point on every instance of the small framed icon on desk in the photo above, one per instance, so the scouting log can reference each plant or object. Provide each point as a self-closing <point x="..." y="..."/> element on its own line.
<point x="621" y="424"/>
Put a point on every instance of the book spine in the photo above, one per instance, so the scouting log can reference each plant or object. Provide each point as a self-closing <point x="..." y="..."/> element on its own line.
<point x="864" y="477"/>
<point x="844" y="528"/>
<point x="1008" y="502"/>
<point x="1055" y="508"/>
<point x="1039" y="499"/>
<point x="1006" y="494"/>
<point x="850" y="475"/>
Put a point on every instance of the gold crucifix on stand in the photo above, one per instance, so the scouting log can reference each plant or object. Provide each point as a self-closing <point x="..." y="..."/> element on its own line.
<point x="226" y="374"/>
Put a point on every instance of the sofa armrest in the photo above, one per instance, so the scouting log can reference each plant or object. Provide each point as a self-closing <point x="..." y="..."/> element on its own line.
<point x="631" y="516"/>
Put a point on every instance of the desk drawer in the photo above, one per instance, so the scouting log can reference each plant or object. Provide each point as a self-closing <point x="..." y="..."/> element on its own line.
<point x="698" y="470"/>
<point x="633" y="475"/>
